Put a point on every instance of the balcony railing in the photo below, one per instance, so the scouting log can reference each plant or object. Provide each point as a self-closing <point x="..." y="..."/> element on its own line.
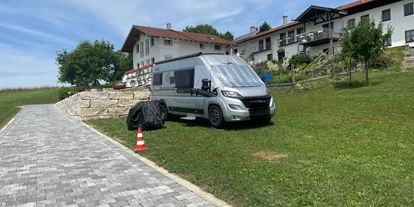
<point x="318" y="36"/>
<point x="287" y="41"/>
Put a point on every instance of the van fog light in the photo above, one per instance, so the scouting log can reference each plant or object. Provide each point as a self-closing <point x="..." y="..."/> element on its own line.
<point x="235" y="107"/>
<point x="235" y="118"/>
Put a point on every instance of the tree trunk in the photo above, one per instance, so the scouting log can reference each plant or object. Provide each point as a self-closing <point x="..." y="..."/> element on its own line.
<point x="350" y="72"/>
<point x="366" y="73"/>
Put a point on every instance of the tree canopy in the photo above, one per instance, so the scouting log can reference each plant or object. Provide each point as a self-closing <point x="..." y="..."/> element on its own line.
<point x="91" y="62"/>
<point x="264" y="27"/>
<point x="365" y="42"/>
<point x="208" y="29"/>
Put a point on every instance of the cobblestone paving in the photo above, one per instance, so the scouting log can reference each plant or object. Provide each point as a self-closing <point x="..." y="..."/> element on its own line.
<point x="48" y="159"/>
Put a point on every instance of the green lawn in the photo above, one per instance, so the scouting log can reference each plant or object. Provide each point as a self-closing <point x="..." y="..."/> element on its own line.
<point x="10" y="99"/>
<point x="327" y="146"/>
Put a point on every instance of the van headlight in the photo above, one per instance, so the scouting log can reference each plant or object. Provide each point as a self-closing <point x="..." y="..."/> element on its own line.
<point x="231" y="94"/>
<point x="267" y="91"/>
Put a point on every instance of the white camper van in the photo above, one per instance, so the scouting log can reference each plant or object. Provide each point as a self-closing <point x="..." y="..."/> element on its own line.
<point x="218" y="87"/>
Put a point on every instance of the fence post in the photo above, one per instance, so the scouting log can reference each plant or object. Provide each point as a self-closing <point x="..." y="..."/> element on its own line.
<point x="293" y="73"/>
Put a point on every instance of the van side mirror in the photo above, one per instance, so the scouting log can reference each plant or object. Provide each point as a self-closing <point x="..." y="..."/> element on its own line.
<point x="205" y="84"/>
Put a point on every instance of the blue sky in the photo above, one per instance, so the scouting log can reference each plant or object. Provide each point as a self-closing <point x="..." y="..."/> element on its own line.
<point x="32" y="31"/>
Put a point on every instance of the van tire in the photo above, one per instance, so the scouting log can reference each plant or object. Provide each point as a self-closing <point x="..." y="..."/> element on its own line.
<point x="215" y="116"/>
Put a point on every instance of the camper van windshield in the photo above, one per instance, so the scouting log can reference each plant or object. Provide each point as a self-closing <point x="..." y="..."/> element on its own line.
<point x="234" y="76"/>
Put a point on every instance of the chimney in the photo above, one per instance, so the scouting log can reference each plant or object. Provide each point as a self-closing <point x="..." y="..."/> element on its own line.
<point x="285" y="19"/>
<point x="253" y="29"/>
<point x="169" y="26"/>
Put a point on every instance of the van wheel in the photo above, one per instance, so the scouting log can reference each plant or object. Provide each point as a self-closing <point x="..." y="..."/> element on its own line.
<point x="215" y="117"/>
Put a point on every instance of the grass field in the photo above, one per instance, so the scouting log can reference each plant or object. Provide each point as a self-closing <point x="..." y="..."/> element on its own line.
<point x="330" y="145"/>
<point x="11" y="98"/>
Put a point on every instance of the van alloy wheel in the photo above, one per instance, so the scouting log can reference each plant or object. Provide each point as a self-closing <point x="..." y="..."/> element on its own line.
<point x="216" y="117"/>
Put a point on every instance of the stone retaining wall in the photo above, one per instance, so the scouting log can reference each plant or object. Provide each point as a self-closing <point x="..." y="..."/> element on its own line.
<point x="103" y="104"/>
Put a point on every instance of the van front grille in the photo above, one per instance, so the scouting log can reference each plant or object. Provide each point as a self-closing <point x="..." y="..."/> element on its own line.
<point x="256" y="102"/>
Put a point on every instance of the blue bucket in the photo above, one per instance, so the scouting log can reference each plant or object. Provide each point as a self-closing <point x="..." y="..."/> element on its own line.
<point x="267" y="77"/>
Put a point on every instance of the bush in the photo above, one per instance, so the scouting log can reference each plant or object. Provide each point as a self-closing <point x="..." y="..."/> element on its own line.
<point x="65" y="92"/>
<point x="282" y="78"/>
<point x="299" y="77"/>
<point x="300" y="58"/>
<point x="300" y="67"/>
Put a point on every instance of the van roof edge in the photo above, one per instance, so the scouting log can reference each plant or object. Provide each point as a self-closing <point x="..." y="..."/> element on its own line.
<point x="186" y="56"/>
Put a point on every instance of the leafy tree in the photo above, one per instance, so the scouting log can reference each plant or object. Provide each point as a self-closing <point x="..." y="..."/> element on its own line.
<point x="264" y="27"/>
<point x="365" y="42"/>
<point x="123" y="63"/>
<point x="202" y="29"/>
<point x="208" y="29"/>
<point x="91" y="62"/>
<point x="227" y="36"/>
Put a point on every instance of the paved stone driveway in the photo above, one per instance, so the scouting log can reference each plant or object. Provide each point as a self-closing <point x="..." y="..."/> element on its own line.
<point x="48" y="159"/>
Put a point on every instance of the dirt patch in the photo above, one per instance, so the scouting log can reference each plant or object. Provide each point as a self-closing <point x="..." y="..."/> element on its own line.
<point x="268" y="155"/>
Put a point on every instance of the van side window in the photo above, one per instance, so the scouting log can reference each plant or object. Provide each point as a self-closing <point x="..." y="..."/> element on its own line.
<point x="184" y="78"/>
<point x="157" y="79"/>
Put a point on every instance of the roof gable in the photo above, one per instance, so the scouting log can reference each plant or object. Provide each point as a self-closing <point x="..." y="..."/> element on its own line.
<point x="136" y="30"/>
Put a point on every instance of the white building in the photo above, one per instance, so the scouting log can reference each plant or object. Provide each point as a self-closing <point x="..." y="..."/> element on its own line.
<point x="149" y="45"/>
<point x="310" y="31"/>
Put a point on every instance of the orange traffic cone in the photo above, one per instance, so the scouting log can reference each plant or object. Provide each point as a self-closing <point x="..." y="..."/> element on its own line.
<point x="140" y="141"/>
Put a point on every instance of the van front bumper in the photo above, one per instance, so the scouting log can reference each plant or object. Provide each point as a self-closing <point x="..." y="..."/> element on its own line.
<point x="243" y="114"/>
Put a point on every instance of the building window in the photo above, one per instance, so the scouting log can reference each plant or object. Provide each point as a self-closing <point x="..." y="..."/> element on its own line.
<point x="235" y="51"/>
<point x="142" y="63"/>
<point x="141" y="52"/>
<point x="168" y="42"/>
<point x="152" y="41"/>
<point x="351" y="23"/>
<point x="148" y="61"/>
<point x="386" y="15"/>
<point x="365" y="18"/>
<point x="299" y="31"/>
<point x="388" y="42"/>
<point x="201" y="45"/>
<point x="408" y="9"/>
<point x="152" y="60"/>
<point x="137" y="49"/>
<point x="157" y="79"/>
<point x="146" y="47"/>
<point x="282" y="39"/>
<point x="217" y="47"/>
<point x="268" y="43"/>
<point x="291" y="36"/>
<point x="270" y="56"/>
<point x="409" y="36"/>
<point x="138" y="65"/>
<point x="168" y="57"/>
<point x="261" y="47"/>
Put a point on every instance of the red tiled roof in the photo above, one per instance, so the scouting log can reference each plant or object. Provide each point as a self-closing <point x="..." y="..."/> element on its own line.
<point x="353" y="4"/>
<point x="260" y="34"/>
<point x="182" y="35"/>
<point x="343" y="7"/>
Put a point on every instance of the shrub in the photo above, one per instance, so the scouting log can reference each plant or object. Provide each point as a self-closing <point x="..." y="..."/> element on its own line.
<point x="65" y="92"/>
<point x="299" y="77"/>
<point x="300" y="67"/>
<point x="282" y="78"/>
<point x="300" y="58"/>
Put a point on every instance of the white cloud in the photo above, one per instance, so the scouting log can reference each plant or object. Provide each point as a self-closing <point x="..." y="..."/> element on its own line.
<point x="57" y="19"/>
<point x="20" y="68"/>
<point x="39" y="33"/>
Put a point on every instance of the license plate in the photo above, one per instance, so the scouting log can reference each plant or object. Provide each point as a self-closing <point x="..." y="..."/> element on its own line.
<point x="261" y="112"/>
